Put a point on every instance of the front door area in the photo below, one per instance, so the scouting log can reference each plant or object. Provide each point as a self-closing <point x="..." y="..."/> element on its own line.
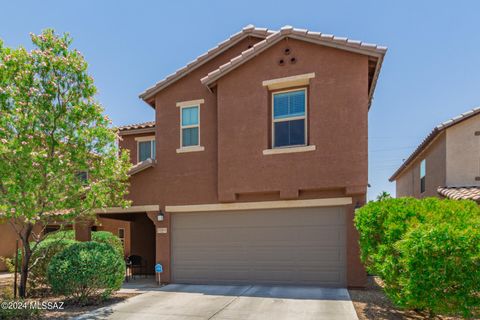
<point x="137" y="233"/>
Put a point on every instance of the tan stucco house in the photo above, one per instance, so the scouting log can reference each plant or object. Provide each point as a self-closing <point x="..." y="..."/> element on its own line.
<point x="255" y="163"/>
<point x="446" y="163"/>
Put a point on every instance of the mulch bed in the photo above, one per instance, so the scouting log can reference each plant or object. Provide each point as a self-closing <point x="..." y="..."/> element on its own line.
<point x="372" y="303"/>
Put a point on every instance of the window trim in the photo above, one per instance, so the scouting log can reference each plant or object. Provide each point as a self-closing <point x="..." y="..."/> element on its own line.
<point x="145" y="139"/>
<point x="289" y="82"/>
<point x="305" y="117"/>
<point x="122" y="240"/>
<point x="192" y="148"/>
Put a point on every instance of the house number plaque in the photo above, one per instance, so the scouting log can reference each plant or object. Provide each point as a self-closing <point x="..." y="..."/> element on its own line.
<point x="161" y="230"/>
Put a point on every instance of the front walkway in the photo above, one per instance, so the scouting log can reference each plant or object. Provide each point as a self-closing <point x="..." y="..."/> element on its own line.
<point x="233" y="302"/>
<point x="140" y="285"/>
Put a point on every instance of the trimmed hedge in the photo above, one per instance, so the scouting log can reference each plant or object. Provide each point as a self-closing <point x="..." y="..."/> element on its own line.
<point x="427" y="252"/>
<point x="86" y="271"/>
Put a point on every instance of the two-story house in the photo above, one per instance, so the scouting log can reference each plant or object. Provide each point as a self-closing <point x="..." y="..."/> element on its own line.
<point x="256" y="161"/>
<point x="446" y="164"/>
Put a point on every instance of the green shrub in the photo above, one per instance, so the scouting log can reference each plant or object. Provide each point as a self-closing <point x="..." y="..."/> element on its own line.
<point x="426" y="251"/>
<point x="61" y="234"/>
<point x="110" y="239"/>
<point x="41" y="257"/>
<point x="98" y="236"/>
<point x="19" y="313"/>
<point x="86" y="271"/>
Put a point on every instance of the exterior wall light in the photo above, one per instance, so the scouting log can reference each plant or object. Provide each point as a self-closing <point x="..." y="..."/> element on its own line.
<point x="357" y="206"/>
<point x="160" y="216"/>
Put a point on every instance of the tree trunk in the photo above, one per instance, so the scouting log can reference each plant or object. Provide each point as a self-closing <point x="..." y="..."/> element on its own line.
<point x="27" y="253"/>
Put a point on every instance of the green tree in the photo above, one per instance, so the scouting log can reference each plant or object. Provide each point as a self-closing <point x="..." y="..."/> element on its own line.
<point x="52" y="132"/>
<point x="383" y="195"/>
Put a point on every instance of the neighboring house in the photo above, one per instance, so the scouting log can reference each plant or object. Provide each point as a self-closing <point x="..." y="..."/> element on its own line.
<point x="446" y="163"/>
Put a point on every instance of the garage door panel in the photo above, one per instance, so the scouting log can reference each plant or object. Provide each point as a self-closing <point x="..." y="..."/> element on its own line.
<point x="287" y="246"/>
<point x="229" y="235"/>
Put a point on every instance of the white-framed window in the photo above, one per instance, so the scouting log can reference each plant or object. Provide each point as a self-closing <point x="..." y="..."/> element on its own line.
<point x="289" y="118"/>
<point x="146" y="148"/>
<point x="423" y="173"/>
<point x="189" y="126"/>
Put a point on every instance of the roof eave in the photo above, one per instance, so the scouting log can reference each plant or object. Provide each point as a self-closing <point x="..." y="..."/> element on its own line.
<point x="136" y="131"/>
<point x="374" y="51"/>
<point x="248" y="31"/>
<point x="432" y="136"/>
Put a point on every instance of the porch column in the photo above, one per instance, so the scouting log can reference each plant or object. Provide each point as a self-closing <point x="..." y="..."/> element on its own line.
<point x="83" y="230"/>
<point x="356" y="274"/>
<point x="162" y="230"/>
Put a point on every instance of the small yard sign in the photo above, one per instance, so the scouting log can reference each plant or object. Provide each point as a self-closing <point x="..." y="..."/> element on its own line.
<point x="158" y="271"/>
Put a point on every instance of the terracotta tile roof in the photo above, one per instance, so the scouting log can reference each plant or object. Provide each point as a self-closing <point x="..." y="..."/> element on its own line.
<point x="137" y="126"/>
<point x="460" y="193"/>
<point x="305" y="35"/>
<point x="141" y="166"/>
<point x="247" y="31"/>
<point x="432" y="135"/>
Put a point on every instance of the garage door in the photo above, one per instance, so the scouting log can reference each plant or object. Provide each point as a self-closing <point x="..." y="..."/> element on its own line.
<point x="303" y="246"/>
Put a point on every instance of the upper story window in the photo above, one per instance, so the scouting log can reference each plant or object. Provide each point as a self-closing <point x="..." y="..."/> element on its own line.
<point x="190" y="126"/>
<point x="145" y="148"/>
<point x="289" y="118"/>
<point x="423" y="172"/>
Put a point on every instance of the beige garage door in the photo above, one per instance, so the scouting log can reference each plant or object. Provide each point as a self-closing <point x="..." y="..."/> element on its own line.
<point x="303" y="246"/>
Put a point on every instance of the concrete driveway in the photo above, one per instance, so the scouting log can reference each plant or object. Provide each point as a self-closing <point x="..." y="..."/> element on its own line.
<point x="195" y="302"/>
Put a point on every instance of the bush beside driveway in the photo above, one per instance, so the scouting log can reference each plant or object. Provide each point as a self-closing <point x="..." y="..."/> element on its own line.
<point x="371" y="303"/>
<point x="426" y="251"/>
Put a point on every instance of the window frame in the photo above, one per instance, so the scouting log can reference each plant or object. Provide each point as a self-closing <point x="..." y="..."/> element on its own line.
<point x="182" y="147"/>
<point x="146" y="139"/>
<point x="122" y="239"/>
<point x="423" y="178"/>
<point x="305" y="117"/>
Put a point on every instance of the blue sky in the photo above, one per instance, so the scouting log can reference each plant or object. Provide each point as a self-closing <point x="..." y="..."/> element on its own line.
<point x="431" y="72"/>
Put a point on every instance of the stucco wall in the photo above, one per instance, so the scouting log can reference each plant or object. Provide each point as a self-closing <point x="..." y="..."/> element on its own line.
<point x="187" y="178"/>
<point x="337" y="118"/>
<point x="128" y="142"/>
<point x="463" y="153"/>
<point x="7" y="243"/>
<point x="112" y="226"/>
<point x="408" y="183"/>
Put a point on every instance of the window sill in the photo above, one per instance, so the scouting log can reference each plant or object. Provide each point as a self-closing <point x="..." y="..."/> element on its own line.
<point x="289" y="150"/>
<point x="190" y="149"/>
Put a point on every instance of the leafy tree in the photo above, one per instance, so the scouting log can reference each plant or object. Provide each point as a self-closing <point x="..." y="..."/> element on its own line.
<point x="52" y="131"/>
<point x="383" y="195"/>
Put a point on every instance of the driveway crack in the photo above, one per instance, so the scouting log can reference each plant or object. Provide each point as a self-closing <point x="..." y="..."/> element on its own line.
<point x="230" y="302"/>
